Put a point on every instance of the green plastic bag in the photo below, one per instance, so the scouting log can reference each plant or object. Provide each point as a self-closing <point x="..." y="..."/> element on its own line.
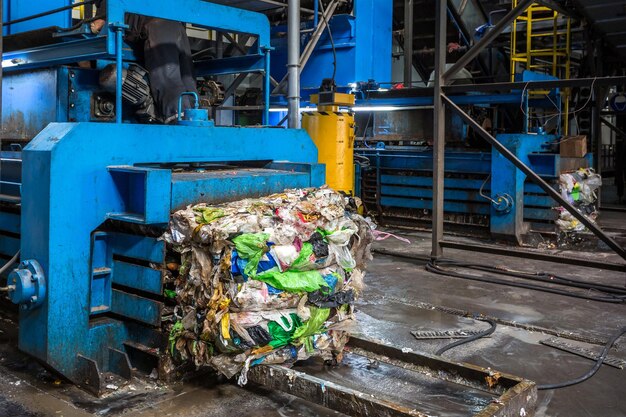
<point x="281" y="337"/>
<point x="175" y="333"/>
<point x="251" y="247"/>
<point x="208" y="214"/>
<point x="293" y="281"/>
<point x="313" y="325"/>
<point x="304" y="258"/>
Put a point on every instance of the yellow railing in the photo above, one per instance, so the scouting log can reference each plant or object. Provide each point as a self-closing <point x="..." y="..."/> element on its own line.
<point x="544" y="48"/>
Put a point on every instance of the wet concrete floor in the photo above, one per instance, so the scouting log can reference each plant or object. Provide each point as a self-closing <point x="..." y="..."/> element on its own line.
<point x="400" y="297"/>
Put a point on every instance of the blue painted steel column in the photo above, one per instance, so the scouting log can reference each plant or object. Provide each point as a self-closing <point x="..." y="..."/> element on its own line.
<point x="267" y="87"/>
<point x="316" y="7"/>
<point x="119" y="49"/>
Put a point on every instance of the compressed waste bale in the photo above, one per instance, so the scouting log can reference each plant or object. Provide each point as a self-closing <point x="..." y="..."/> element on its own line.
<point x="579" y="189"/>
<point x="264" y="281"/>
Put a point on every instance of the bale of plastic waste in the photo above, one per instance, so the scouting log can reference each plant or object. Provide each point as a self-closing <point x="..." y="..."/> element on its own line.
<point x="264" y="281"/>
<point x="578" y="188"/>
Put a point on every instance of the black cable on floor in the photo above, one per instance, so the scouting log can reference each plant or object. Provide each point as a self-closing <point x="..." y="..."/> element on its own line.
<point x="616" y="292"/>
<point x="477" y="336"/>
<point x="539" y="276"/>
<point x="434" y="268"/>
<point x="593" y="370"/>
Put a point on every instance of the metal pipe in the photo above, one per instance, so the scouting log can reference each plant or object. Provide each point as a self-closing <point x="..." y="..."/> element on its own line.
<point x="293" y="63"/>
<point x="266" y="88"/>
<point x="439" y="129"/>
<point x="616" y="247"/>
<point x="281" y="4"/>
<point x="488" y="38"/>
<point x="408" y="43"/>
<point x="119" y="46"/>
<point x="1" y="75"/>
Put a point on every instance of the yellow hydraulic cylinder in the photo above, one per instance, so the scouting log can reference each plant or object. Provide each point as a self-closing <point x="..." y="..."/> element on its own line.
<point x="333" y="133"/>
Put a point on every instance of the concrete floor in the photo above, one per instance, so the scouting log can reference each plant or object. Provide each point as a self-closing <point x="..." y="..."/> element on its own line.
<point x="401" y="296"/>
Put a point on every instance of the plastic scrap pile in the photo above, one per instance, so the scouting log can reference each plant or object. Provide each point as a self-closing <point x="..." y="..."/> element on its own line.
<point x="579" y="188"/>
<point x="269" y="280"/>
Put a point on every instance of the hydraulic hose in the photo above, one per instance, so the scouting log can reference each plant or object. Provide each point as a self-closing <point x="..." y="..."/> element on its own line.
<point x="593" y="370"/>
<point x="609" y="298"/>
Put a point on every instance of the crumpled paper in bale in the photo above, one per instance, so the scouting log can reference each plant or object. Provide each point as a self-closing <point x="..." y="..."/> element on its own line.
<point x="265" y="281"/>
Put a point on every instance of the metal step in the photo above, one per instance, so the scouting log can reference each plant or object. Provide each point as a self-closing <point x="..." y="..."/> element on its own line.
<point x="444" y="334"/>
<point x="585" y="353"/>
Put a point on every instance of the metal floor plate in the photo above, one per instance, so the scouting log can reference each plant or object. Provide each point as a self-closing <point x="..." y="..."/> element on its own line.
<point x="585" y="353"/>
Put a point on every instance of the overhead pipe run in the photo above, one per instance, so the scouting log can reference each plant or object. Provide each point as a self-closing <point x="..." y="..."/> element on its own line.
<point x="293" y="63"/>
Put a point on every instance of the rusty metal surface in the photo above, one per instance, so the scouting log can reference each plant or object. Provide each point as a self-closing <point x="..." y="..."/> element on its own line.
<point x="460" y="373"/>
<point x="520" y="400"/>
<point x="326" y="393"/>
<point x="505" y="395"/>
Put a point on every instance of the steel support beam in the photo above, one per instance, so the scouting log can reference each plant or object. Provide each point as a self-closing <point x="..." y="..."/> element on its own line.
<point x="1" y="74"/>
<point x="488" y="38"/>
<point x="234" y="85"/>
<point x="408" y="43"/>
<point x="540" y="85"/>
<point x="616" y="247"/>
<point x="439" y="131"/>
<point x="613" y="127"/>
<point x="293" y="63"/>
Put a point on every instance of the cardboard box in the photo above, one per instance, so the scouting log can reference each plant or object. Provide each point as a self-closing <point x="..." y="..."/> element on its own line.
<point x="573" y="164"/>
<point x="574" y="146"/>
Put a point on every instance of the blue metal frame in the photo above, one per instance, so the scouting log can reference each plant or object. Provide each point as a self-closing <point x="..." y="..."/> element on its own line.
<point x="363" y="43"/>
<point x="77" y="176"/>
<point x="109" y="45"/>
<point x="66" y="198"/>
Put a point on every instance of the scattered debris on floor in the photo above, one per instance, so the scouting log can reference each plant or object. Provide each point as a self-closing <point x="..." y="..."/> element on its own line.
<point x="269" y="280"/>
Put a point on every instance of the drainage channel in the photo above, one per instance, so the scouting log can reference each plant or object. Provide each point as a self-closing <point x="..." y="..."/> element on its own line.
<point x="376" y="379"/>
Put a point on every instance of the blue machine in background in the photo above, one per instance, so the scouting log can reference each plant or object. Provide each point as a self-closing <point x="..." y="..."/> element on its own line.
<point x="363" y="43"/>
<point x="84" y="199"/>
<point x="483" y="190"/>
